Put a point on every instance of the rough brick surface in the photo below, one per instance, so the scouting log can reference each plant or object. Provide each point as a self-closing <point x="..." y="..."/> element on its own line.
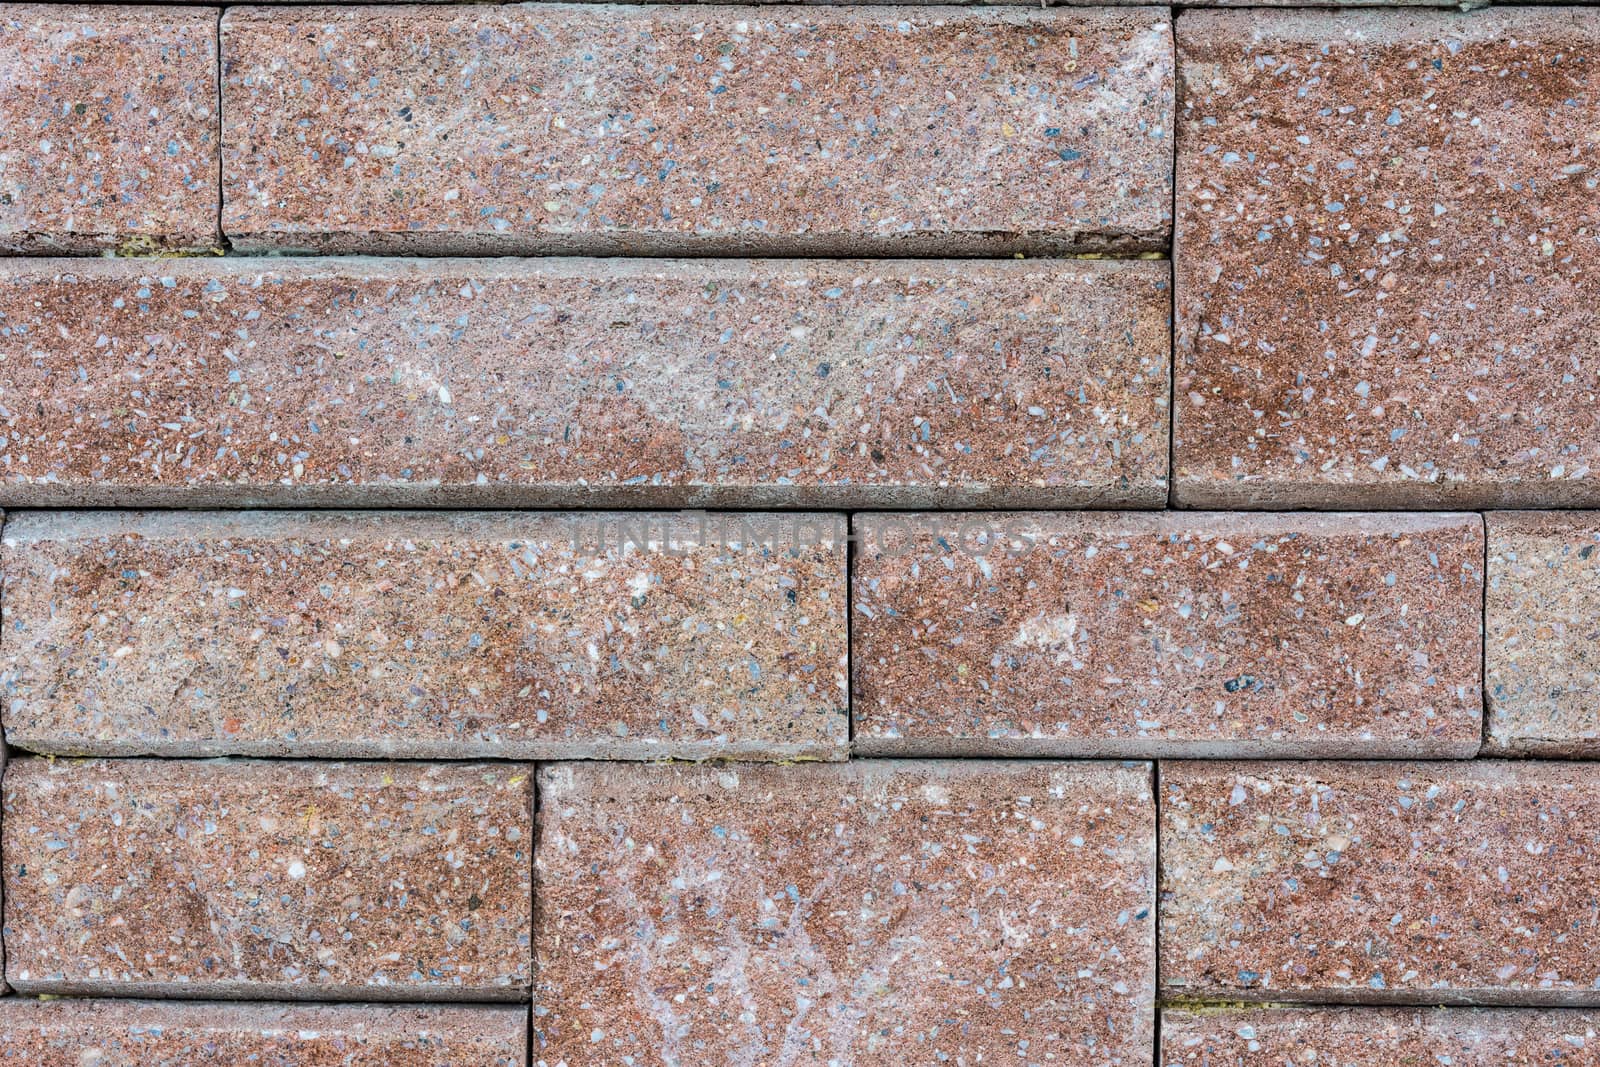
<point x="1542" y="626"/>
<point x="495" y="383"/>
<point x="1174" y="634"/>
<point x="426" y="635"/>
<point x="135" y="1033"/>
<point x="1379" y="1037"/>
<point x="379" y="881"/>
<point x="1411" y="882"/>
<point x="110" y="132"/>
<point x="1386" y="276"/>
<point x="863" y="913"/>
<point x="620" y="129"/>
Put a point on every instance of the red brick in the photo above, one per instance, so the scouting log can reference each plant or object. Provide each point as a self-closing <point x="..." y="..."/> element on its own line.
<point x="624" y="129"/>
<point x="865" y="913"/>
<point x="1168" y="634"/>
<point x="1543" y="623"/>
<point x="1434" y="883"/>
<point x="1379" y="1037"/>
<point x="359" y="634"/>
<point x="110" y="138"/>
<point x="569" y="381"/>
<point x="378" y="881"/>
<point x="1385" y="269"/>
<point x="104" y="1033"/>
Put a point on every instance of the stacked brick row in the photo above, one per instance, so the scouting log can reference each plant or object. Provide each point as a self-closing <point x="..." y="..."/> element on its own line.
<point x="563" y="535"/>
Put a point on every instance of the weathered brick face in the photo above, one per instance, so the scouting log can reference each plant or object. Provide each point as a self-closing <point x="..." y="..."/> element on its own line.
<point x="582" y="382"/>
<point x="621" y="129"/>
<point x="1199" y="634"/>
<point x="110" y="132"/>
<point x="378" y="881"/>
<point x="864" y="913"/>
<point x="362" y="634"/>
<point x="1385" y="259"/>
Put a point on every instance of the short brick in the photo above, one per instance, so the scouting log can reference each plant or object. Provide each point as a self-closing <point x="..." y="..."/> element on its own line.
<point x="376" y="881"/>
<point x="110" y="131"/>
<point x="583" y="382"/>
<point x="360" y="634"/>
<point x="1385" y="271"/>
<point x="1168" y="634"/>
<point x="143" y="1033"/>
<point x="603" y="129"/>
<point x="1543" y="627"/>
<point x="1379" y="1037"/>
<point x="1434" y="883"/>
<point x="867" y="913"/>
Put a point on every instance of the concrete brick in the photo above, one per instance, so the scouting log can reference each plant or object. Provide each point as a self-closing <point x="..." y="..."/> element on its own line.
<point x="110" y="137"/>
<point x="1433" y="883"/>
<point x="1379" y="1037"/>
<point x="571" y="128"/>
<point x="1385" y="269"/>
<point x="372" y="881"/>
<point x="145" y="1033"/>
<point x="1168" y="634"/>
<point x="867" y="913"/>
<point x="1542" y="625"/>
<point x="426" y="635"/>
<point x="583" y="382"/>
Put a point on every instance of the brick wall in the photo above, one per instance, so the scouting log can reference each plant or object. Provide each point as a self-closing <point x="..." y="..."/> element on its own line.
<point x="550" y="535"/>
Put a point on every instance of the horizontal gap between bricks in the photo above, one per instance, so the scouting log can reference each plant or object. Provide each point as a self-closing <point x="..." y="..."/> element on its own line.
<point x="321" y="506"/>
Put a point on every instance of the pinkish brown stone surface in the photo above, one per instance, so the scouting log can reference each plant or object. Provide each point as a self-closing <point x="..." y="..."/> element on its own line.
<point x="372" y="881"/>
<point x="1542" y="627"/>
<point x="109" y="139"/>
<point x="626" y="129"/>
<point x="1167" y="634"/>
<point x="143" y="1033"/>
<point x="1386" y="274"/>
<point x="1433" y="883"/>
<point x="867" y="913"/>
<point x="491" y="383"/>
<point x="1378" y="1037"/>
<point x="357" y="634"/>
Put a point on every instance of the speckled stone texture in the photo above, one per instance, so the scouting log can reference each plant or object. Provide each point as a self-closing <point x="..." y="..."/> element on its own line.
<point x="1172" y="634"/>
<point x="1386" y="259"/>
<point x="867" y="913"/>
<point x="626" y="129"/>
<point x="491" y="383"/>
<point x="1379" y="1037"/>
<point x="143" y="1033"/>
<point x="1432" y="883"/>
<point x="358" y="634"/>
<point x="1542" y="626"/>
<point x="109" y="140"/>
<point x="366" y="881"/>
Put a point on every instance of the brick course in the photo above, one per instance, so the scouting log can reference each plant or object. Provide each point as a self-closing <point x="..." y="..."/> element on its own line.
<point x="193" y="878"/>
<point x="360" y="634"/>
<point x="110" y="138"/>
<point x="491" y="383"/>
<point x="1177" y="634"/>
<point x="730" y="130"/>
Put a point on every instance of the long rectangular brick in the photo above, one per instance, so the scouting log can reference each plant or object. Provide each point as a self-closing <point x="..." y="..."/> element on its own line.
<point x="1379" y="1037"/>
<point x="359" y="634"/>
<point x="611" y="129"/>
<point x="867" y="913"/>
<point x="109" y="140"/>
<point x="1543" y="622"/>
<point x="1168" y="634"/>
<point x="375" y="881"/>
<point x="1433" y="883"/>
<point x="145" y="1033"/>
<point x="1385" y="271"/>
<point x="492" y="383"/>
